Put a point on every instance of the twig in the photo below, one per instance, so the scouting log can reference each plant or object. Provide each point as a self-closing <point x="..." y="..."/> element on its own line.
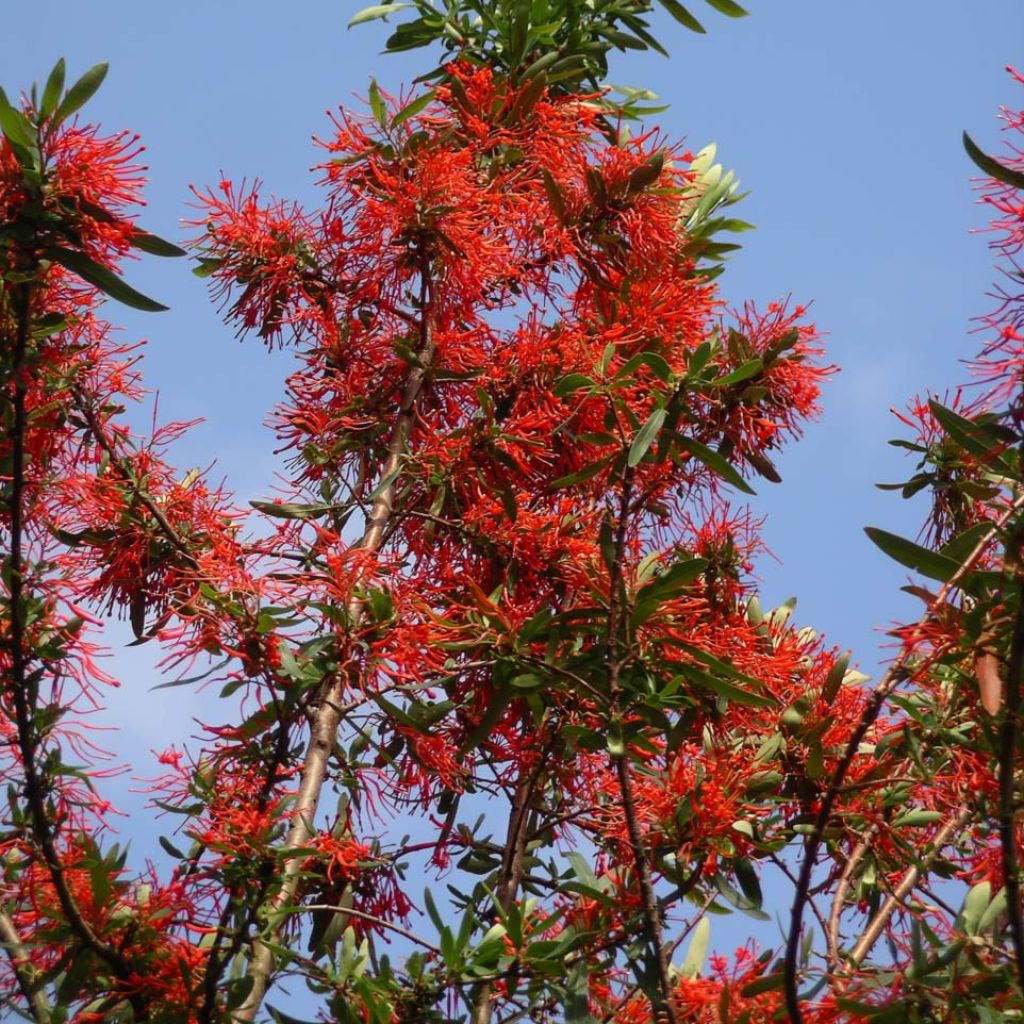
<point x="25" y="972"/>
<point x="620" y="760"/>
<point x="324" y="729"/>
<point x="896" y="673"/>
<point x="1008" y="738"/>
<point x="839" y="899"/>
<point x="877" y="924"/>
<point x="380" y="922"/>
<point x="118" y="461"/>
<point x="21" y="690"/>
<point x="511" y="868"/>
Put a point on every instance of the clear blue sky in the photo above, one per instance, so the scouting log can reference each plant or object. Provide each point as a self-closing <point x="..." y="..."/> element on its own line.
<point x="844" y="120"/>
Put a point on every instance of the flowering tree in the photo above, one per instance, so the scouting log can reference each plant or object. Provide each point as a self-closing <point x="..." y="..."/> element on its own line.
<point x="504" y="600"/>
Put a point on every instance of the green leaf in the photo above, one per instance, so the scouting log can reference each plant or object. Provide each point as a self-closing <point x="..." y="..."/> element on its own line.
<point x="534" y="74"/>
<point x="647" y="173"/>
<point x="834" y="680"/>
<point x="726" y="689"/>
<point x="650" y="359"/>
<point x="645" y="438"/>
<point x="992" y="167"/>
<point x="912" y="818"/>
<point x="768" y="983"/>
<point x="906" y="552"/>
<point x="375" y="12"/>
<point x="577" y="1001"/>
<point x="581" y="475"/>
<point x="717" y="463"/>
<point x="697" y="950"/>
<point x="741" y="373"/>
<point x="432" y="912"/>
<point x="614" y="740"/>
<point x="972" y="437"/>
<point x="155" y="246"/>
<point x="993" y="911"/>
<point x="682" y="15"/>
<point x="15" y="125"/>
<point x="746" y="875"/>
<point x="412" y="109"/>
<point x="676" y="578"/>
<point x="280" y="1017"/>
<point x="81" y="92"/>
<point x="554" y="193"/>
<point x="738" y="900"/>
<point x="54" y="87"/>
<point x="103" y="279"/>
<point x="571" y="383"/>
<point x="975" y="904"/>
<point x="674" y="581"/>
<point x="377" y="103"/>
<point x="170" y="848"/>
<point x="207" y="266"/>
<point x="290" y="510"/>
<point x="728" y="7"/>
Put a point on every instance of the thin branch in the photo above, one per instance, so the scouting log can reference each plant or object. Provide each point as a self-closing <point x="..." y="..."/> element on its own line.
<point x="380" y="922"/>
<point x="512" y="868"/>
<point x="620" y="760"/>
<point x="897" y="672"/>
<point x="324" y="729"/>
<point x="21" y="690"/>
<point x="25" y="972"/>
<point x="1009" y="731"/>
<point x="839" y="899"/>
<point x="910" y="878"/>
<point x="123" y="467"/>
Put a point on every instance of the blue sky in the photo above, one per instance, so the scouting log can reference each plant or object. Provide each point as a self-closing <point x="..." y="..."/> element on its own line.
<point x="843" y="119"/>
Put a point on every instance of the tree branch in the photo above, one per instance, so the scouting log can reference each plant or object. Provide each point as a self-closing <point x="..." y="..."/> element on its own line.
<point x="896" y="898"/>
<point x="895" y="674"/>
<point x="328" y="718"/>
<point x="21" y="690"/>
<point x="620" y="760"/>
<point x="25" y="972"/>
<point x="1009" y="732"/>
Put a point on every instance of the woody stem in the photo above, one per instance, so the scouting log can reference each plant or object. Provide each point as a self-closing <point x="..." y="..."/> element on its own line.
<point x="620" y="759"/>
<point x="328" y="717"/>
<point x="21" y="687"/>
<point x="25" y="972"/>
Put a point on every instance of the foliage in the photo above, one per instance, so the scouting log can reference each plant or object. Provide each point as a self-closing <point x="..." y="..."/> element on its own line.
<point x="505" y="590"/>
<point x="567" y="41"/>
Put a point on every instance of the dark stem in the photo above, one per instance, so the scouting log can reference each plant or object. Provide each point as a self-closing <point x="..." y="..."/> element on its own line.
<point x="1009" y="732"/>
<point x="897" y="672"/>
<point x="616" y="659"/>
<point x="513" y="858"/>
<point x="21" y="688"/>
<point x="220" y="957"/>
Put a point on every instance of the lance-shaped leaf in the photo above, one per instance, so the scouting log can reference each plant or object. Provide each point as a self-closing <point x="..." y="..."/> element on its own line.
<point x="992" y="167"/>
<point x="729" y="8"/>
<point x="697" y="951"/>
<point x="682" y="15"/>
<point x="104" y="279"/>
<point x="716" y="462"/>
<point x="724" y="688"/>
<point x="375" y="12"/>
<point x="929" y="563"/>
<point x="412" y="109"/>
<point x="645" y="437"/>
<point x="53" y="88"/>
<point x="81" y="92"/>
<point x="145" y="241"/>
